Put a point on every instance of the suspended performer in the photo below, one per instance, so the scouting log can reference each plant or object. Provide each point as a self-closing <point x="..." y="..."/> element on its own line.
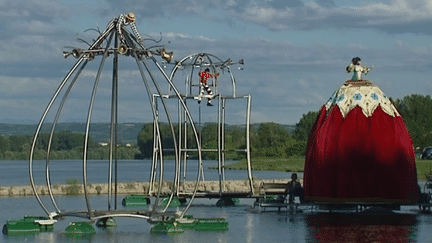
<point x="204" y="76"/>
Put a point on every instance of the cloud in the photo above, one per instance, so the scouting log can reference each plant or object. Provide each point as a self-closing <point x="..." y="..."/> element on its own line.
<point x="185" y="36"/>
<point x="393" y="17"/>
<point x="30" y="32"/>
<point x="326" y="3"/>
<point x="285" y="78"/>
<point x="396" y="16"/>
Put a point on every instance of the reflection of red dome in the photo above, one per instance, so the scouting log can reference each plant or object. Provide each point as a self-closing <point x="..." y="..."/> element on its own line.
<point x="341" y="227"/>
<point x="359" y="150"/>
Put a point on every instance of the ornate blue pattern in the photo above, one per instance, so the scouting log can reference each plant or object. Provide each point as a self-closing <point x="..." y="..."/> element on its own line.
<point x="357" y="96"/>
<point x="340" y="98"/>
<point x="374" y="96"/>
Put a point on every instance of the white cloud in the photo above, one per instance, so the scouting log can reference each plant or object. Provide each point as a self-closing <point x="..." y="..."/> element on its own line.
<point x="390" y="16"/>
<point x="24" y="86"/>
<point x="285" y="78"/>
<point x="371" y="15"/>
<point x="185" y="36"/>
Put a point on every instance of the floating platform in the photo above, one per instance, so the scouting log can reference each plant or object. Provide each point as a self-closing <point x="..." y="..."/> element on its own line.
<point x="136" y="200"/>
<point x="188" y="222"/>
<point x="175" y="202"/>
<point x="228" y="202"/>
<point x="218" y="194"/>
<point x="216" y="224"/>
<point x="106" y="222"/>
<point x="80" y="228"/>
<point x="28" y="225"/>
<point x="166" y="228"/>
<point x="260" y="206"/>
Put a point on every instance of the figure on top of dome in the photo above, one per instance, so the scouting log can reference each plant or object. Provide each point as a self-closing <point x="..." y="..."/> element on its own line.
<point x="356" y="67"/>
<point x="127" y="19"/>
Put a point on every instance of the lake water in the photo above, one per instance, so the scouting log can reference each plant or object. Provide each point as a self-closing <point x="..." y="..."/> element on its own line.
<point x="17" y="172"/>
<point x="406" y="225"/>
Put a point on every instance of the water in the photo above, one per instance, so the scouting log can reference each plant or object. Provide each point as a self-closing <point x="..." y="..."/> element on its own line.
<point x="245" y="226"/>
<point x="13" y="173"/>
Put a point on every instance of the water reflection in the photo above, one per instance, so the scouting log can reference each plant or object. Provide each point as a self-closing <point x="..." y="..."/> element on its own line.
<point x="249" y="228"/>
<point x="339" y="227"/>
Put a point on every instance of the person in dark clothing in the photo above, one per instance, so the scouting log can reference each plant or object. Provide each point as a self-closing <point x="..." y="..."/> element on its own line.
<point x="294" y="189"/>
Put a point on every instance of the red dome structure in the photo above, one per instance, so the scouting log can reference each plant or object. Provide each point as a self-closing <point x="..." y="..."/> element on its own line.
<point x="359" y="150"/>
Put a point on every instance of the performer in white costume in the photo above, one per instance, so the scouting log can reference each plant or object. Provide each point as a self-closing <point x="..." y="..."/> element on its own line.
<point x="356" y="67"/>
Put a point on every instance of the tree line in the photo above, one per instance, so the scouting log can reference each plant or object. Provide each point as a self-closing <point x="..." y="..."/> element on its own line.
<point x="267" y="139"/>
<point x="64" y="145"/>
<point x="416" y="111"/>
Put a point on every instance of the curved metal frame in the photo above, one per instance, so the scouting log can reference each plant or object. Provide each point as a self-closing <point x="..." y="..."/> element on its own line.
<point x="212" y="62"/>
<point x="209" y="63"/>
<point x="140" y="53"/>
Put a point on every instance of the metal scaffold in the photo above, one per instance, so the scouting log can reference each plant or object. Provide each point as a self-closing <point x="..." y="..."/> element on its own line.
<point x="112" y="43"/>
<point x="120" y="44"/>
<point x="207" y="79"/>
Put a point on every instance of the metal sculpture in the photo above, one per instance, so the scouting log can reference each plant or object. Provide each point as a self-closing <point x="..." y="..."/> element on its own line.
<point x="221" y="81"/>
<point x="115" y="40"/>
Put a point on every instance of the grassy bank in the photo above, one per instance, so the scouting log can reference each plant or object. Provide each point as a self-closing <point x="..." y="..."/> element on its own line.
<point x="296" y="164"/>
<point x="423" y="167"/>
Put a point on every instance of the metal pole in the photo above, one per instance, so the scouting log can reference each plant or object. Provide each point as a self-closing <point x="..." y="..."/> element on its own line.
<point x="185" y="154"/>
<point x="219" y="148"/>
<point x="248" y="155"/>
<point x="89" y="116"/>
<point x="223" y="141"/>
<point x="113" y="128"/>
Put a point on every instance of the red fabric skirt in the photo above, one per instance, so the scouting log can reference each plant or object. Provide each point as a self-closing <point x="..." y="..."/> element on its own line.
<point x="360" y="159"/>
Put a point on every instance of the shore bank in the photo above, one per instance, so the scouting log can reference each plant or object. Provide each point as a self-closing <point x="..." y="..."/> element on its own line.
<point x="129" y="187"/>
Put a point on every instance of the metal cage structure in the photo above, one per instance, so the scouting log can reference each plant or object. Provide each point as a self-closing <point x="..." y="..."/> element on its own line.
<point x="115" y="41"/>
<point x="193" y="93"/>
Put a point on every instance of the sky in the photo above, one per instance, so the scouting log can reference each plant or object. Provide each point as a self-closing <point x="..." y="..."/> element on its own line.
<point x="295" y="52"/>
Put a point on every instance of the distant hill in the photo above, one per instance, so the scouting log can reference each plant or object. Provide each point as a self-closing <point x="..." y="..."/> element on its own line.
<point x="100" y="132"/>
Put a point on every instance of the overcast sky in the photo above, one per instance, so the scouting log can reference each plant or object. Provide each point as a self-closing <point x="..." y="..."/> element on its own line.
<point x="295" y="52"/>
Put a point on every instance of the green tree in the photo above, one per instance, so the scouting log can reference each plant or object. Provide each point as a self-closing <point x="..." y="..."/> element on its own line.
<point x="297" y="148"/>
<point x="64" y="145"/>
<point x="235" y="139"/>
<point x="208" y="134"/>
<point x="416" y="111"/>
<point x="145" y="139"/>
<point x="67" y="140"/>
<point x="209" y="139"/>
<point x="17" y="142"/>
<point x="271" y="140"/>
<point x="4" y="144"/>
<point x="304" y="126"/>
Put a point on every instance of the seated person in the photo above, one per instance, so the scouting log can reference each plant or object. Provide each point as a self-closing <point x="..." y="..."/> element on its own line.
<point x="424" y="198"/>
<point x="294" y="189"/>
